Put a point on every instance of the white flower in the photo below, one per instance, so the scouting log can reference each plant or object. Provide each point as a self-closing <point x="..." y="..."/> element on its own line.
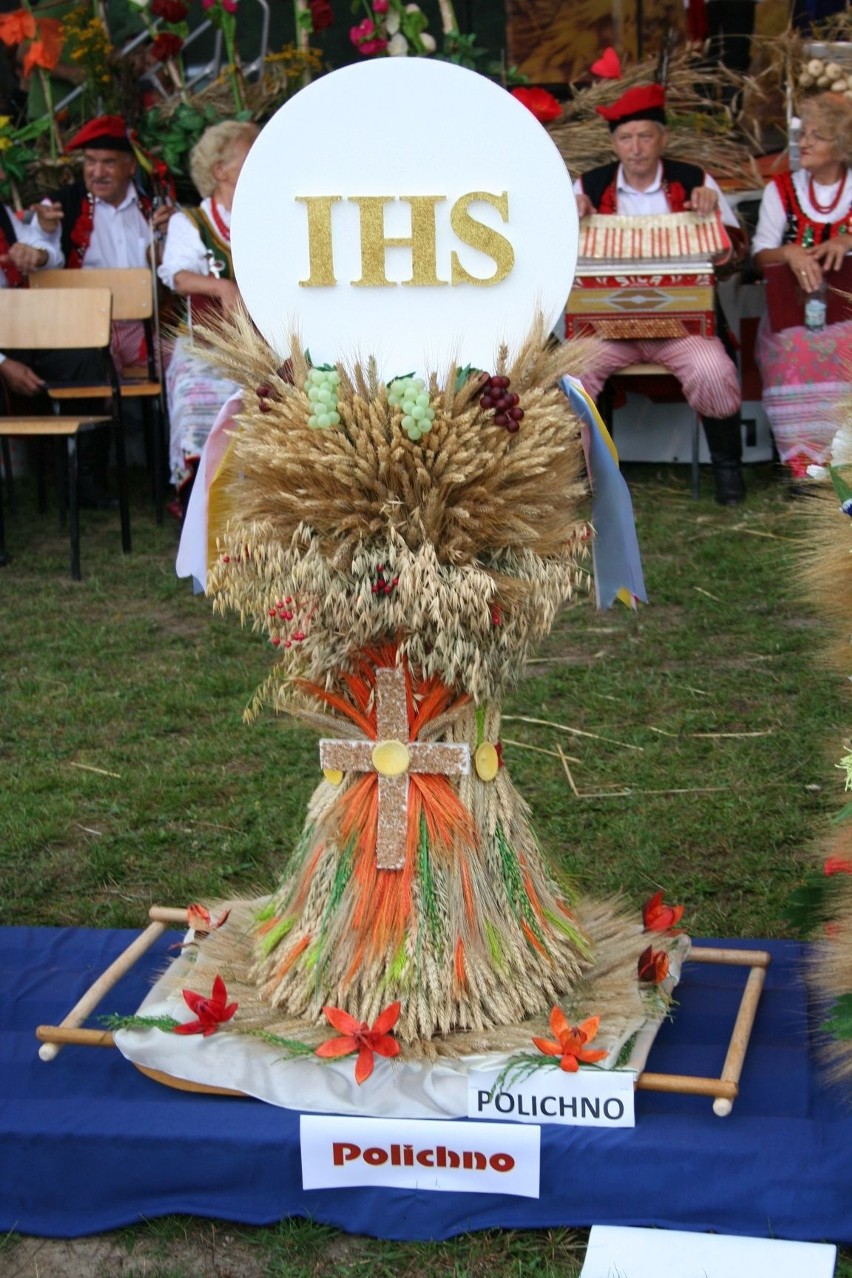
<point x="391" y="22"/>
<point x="398" y="45"/>
<point x="428" y="42"/>
<point x="412" y="8"/>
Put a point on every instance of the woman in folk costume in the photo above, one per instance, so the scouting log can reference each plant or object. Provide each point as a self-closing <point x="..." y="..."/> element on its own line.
<point x="805" y="224"/>
<point x="197" y="265"/>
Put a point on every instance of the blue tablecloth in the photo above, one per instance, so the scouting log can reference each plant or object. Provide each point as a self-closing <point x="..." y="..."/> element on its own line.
<point x="88" y="1143"/>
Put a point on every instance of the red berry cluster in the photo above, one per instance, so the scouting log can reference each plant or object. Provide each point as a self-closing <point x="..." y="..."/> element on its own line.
<point x="506" y="405"/>
<point x="264" y="394"/>
<point x="283" y="610"/>
<point x="382" y="586"/>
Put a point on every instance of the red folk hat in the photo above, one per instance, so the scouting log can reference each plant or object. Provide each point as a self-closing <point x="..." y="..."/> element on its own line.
<point x="642" y="102"/>
<point x="104" y="133"/>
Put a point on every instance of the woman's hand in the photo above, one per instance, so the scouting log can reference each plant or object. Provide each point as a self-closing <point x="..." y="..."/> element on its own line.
<point x="830" y="255"/>
<point x="228" y="294"/>
<point x="805" y="266"/>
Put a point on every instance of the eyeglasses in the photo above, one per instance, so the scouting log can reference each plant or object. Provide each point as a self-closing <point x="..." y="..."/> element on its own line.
<point x="813" y="135"/>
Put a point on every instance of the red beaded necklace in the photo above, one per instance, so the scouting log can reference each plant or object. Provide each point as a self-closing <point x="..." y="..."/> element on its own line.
<point x="222" y="227"/>
<point x="825" y="208"/>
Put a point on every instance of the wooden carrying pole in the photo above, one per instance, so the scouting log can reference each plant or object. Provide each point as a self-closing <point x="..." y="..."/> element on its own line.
<point x="723" y="1089"/>
<point x="726" y="1087"/>
<point x="54" y="1037"/>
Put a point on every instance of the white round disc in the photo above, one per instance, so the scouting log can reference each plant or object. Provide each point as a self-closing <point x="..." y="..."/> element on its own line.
<point x="424" y="153"/>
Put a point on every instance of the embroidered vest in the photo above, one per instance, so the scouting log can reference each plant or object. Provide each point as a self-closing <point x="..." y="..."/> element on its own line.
<point x="200" y="307"/>
<point x="78" y="206"/>
<point x="802" y="229"/>
<point x="679" y="181"/>
<point x="217" y="249"/>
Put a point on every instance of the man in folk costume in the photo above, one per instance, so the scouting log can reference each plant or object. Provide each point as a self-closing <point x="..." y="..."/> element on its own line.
<point x="106" y="220"/>
<point x="641" y="181"/>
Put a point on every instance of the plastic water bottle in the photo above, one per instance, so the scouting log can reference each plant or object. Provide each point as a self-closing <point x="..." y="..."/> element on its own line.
<point x="815" y="309"/>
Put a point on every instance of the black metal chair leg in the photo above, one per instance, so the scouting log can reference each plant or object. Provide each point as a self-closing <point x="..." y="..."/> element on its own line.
<point x="9" y="473"/>
<point x="73" y="510"/>
<point x="4" y="558"/>
<point x="121" y="471"/>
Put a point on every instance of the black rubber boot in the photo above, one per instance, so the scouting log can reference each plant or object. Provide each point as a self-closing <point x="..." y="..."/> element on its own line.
<point x="724" y="440"/>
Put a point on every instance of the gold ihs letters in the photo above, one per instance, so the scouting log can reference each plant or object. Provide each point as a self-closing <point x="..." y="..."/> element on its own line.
<point x="422" y="242"/>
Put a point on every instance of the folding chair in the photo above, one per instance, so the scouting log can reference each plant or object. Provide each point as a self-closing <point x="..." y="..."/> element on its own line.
<point x="56" y="319"/>
<point x="132" y="291"/>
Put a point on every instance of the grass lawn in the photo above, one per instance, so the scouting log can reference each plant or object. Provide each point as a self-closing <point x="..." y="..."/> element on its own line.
<point x="700" y="736"/>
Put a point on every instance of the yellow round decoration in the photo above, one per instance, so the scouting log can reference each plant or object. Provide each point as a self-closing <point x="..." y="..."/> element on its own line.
<point x="390" y="758"/>
<point x="332" y="775"/>
<point x="486" y="760"/>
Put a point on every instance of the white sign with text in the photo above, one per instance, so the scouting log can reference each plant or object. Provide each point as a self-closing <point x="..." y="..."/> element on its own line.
<point x="455" y="1157"/>
<point x="616" y="1251"/>
<point x="587" y="1098"/>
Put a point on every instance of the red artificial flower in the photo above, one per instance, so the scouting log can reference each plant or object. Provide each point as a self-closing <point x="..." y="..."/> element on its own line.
<point x="47" y="49"/>
<point x="166" y="45"/>
<point x="571" y="1041"/>
<point x="356" y="1036"/>
<point x="653" y="966"/>
<point x="17" y="27"/>
<point x="659" y="917"/>
<point x="543" y="105"/>
<point x="365" y="39"/>
<point x="836" y="865"/>
<point x="322" y="14"/>
<point x="608" y="65"/>
<point x="170" y="10"/>
<point x="211" y="1012"/>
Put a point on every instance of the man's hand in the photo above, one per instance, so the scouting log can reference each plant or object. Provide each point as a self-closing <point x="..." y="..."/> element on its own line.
<point x="830" y="255"/>
<point x="49" y="216"/>
<point x="160" y="217"/>
<point x="20" y="379"/>
<point x="25" y="257"/>
<point x="704" y="200"/>
<point x="585" y="208"/>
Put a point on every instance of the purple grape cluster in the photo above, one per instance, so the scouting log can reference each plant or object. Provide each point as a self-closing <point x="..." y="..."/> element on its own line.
<point x="505" y="404"/>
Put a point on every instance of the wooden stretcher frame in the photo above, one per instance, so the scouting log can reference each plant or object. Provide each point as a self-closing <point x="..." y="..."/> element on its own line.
<point x="724" y="1089"/>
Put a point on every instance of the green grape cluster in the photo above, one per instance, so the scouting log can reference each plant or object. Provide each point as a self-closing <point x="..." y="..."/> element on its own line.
<point x="321" y="390"/>
<point x="410" y="394"/>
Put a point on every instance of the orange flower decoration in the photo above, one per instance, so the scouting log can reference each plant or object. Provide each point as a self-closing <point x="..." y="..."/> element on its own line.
<point x="17" y="27"/>
<point x="571" y="1042"/>
<point x="198" y="918"/>
<point x="45" y="51"/>
<point x="659" y="917"/>
<point x="653" y="966"/>
<point x="357" y="1036"/>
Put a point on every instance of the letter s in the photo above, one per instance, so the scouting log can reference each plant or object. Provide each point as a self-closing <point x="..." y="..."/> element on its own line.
<point x="481" y="237"/>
